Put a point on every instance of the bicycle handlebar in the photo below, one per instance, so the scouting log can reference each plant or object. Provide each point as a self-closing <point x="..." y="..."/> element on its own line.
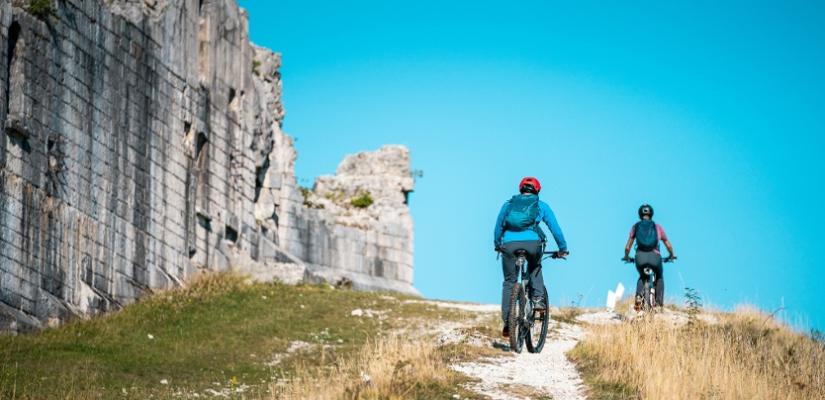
<point x="555" y="254"/>
<point x="630" y="260"/>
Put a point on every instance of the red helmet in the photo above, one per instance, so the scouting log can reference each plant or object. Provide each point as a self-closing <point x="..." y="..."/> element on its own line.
<point x="529" y="180"/>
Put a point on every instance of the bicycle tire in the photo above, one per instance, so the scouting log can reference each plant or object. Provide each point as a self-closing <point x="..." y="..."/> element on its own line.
<point x="535" y="344"/>
<point x="515" y="318"/>
<point x="649" y="299"/>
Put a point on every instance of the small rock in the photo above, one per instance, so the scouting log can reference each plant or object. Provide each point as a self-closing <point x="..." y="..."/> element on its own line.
<point x="164" y="382"/>
<point x="365" y="378"/>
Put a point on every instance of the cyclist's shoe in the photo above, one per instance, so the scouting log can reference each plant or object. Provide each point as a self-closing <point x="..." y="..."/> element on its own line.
<point x="505" y="331"/>
<point x="637" y="306"/>
<point x="539" y="304"/>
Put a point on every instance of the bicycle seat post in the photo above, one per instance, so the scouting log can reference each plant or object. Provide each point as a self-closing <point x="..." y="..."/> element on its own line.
<point x="521" y="263"/>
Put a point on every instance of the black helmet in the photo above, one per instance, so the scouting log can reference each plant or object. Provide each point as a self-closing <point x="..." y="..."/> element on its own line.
<point x="645" y="209"/>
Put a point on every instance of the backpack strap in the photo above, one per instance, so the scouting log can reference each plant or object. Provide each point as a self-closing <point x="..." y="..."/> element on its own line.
<point x="536" y="225"/>
<point x="507" y="211"/>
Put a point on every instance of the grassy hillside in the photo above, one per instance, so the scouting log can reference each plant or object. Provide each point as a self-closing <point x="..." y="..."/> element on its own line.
<point x="746" y="355"/>
<point x="223" y="336"/>
<point x="226" y="336"/>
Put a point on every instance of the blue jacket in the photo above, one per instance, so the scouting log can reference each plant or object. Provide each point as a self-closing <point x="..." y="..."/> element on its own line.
<point x="545" y="214"/>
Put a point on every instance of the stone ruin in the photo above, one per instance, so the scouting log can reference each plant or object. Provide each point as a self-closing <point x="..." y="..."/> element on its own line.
<point x="142" y="145"/>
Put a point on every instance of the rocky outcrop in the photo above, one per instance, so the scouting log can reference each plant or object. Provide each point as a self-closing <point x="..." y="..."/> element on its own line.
<point x="359" y="222"/>
<point x="142" y="144"/>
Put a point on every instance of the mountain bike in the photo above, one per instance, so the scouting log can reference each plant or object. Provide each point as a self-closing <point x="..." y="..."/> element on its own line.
<point x="526" y="324"/>
<point x="648" y="300"/>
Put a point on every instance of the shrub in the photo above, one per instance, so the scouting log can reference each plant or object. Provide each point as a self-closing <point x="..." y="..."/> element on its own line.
<point x="694" y="305"/>
<point x="307" y="194"/>
<point x="362" y="200"/>
<point x="40" y="8"/>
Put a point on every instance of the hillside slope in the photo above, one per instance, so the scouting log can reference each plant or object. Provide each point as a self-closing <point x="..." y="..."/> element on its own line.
<point x="226" y="337"/>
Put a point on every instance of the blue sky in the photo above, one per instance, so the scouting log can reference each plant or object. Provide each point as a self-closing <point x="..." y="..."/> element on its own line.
<point x="711" y="112"/>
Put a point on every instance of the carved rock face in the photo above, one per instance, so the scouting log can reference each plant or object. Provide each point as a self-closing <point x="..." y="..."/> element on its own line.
<point x="143" y="143"/>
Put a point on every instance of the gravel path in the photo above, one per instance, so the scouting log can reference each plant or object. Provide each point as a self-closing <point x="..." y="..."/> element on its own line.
<point x="523" y="376"/>
<point x="549" y="372"/>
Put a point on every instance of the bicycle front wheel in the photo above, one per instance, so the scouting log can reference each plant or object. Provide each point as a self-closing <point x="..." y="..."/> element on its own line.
<point x="538" y="328"/>
<point x="516" y="317"/>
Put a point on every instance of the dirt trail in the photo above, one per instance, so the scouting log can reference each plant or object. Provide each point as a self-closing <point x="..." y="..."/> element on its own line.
<point x="548" y="373"/>
<point x="524" y="375"/>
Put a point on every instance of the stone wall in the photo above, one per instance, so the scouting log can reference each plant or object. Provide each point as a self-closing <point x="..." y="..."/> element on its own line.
<point x="142" y="144"/>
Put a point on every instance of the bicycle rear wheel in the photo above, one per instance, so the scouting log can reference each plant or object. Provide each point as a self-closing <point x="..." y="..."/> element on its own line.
<point x="649" y="299"/>
<point x="517" y="303"/>
<point x="538" y="328"/>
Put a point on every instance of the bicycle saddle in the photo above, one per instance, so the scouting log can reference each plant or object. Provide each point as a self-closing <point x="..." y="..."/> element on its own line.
<point x="520" y="252"/>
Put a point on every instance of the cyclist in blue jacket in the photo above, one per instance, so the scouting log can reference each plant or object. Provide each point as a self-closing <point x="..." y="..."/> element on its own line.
<point x="517" y="227"/>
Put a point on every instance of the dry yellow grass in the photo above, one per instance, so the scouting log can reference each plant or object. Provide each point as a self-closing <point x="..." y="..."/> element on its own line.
<point x="746" y="356"/>
<point x="387" y="368"/>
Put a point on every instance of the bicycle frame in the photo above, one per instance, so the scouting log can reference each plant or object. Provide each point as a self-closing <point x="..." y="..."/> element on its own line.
<point x="524" y="279"/>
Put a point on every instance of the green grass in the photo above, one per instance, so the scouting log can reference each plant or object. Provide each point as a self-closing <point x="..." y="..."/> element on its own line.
<point x="218" y="333"/>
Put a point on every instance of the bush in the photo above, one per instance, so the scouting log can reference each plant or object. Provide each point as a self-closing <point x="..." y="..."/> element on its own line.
<point x="363" y="200"/>
<point x="40" y="8"/>
<point x="308" y="194"/>
<point x="694" y="305"/>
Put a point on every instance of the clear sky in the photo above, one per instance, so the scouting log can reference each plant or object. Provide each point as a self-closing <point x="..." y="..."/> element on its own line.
<point x="714" y="113"/>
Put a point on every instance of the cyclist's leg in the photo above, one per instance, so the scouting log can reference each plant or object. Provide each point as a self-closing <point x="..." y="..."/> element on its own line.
<point x="536" y="283"/>
<point x="508" y="268"/>
<point x="640" y="283"/>
<point x="660" y="282"/>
